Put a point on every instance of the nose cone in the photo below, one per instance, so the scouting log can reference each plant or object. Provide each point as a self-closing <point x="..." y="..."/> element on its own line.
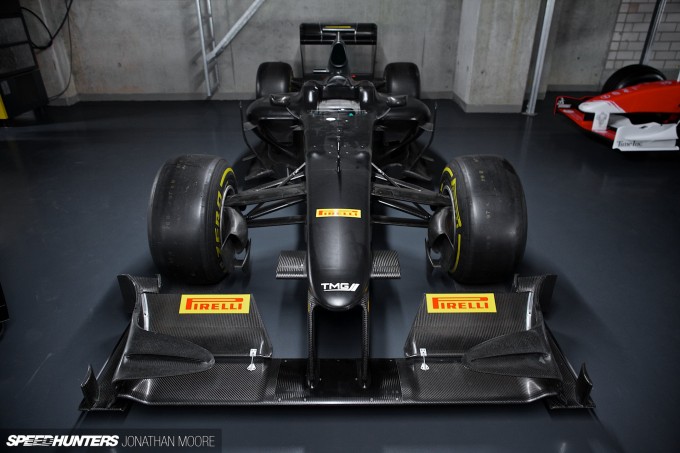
<point x="339" y="295"/>
<point x="339" y="260"/>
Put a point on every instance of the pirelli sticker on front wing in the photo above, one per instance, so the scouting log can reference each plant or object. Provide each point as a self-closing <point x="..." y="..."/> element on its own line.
<point x="461" y="303"/>
<point x="335" y="212"/>
<point x="208" y="304"/>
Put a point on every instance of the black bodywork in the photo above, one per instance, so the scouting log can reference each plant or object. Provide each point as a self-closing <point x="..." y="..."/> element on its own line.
<point x="338" y="156"/>
<point x="343" y="147"/>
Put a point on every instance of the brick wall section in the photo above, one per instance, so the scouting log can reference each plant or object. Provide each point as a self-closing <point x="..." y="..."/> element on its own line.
<point x="630" y="31"/>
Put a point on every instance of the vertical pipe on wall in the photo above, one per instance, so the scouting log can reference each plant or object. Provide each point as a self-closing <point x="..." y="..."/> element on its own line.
<point x="211" y="29"/>
<point x="540" y="57"/>
<point x="651" y="32"/>
<point x="206" y="74"/>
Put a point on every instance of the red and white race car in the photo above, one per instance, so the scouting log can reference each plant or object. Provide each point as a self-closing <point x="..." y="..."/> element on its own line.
<point x="638" y="110"/>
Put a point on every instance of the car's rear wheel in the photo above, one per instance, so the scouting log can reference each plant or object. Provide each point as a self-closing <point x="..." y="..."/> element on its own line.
<point x="486" y="225"/>
<point x="192" y="236"/>
<point x="273" y="78"/>
<point x="402" y="78"/>
<point x="632" y="75"/>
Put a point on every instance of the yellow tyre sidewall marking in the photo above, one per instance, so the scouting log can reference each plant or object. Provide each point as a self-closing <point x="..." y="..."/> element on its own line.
<point x="459" y="223"/>
<point x="218" y="213"/>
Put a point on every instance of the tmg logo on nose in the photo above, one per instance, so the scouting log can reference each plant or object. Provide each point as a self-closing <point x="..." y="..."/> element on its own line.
<point x="349" y="287"/>
<point x="461" y="303"/>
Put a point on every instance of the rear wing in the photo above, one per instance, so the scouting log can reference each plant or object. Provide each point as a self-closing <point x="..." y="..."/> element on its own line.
<point x="353" y="34"/>
<point x="363" y="37"/>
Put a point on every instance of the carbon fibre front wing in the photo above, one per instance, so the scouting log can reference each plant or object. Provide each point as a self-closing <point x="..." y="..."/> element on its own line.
<point x="499" y="354"/>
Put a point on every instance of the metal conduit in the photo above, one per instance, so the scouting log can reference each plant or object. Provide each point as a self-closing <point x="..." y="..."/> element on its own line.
<point x="210" y="56"/>
<point x="540" y="57"/>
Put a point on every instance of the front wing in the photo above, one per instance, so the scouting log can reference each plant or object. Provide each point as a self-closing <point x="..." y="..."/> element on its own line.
<point x="491" y="348"/>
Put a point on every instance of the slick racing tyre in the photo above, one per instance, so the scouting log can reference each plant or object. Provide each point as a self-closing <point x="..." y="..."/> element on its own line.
<point x="402" y="78"/>
<point x="632" y="75"/>
<point x="192" y="236"/>
<point x="486" y="223"/>
<point x="273" y="78"/>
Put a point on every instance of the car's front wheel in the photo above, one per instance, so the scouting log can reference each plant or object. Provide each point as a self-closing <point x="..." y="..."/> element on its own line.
<point x="193" y="237"/>
<point x="481" y="237"/>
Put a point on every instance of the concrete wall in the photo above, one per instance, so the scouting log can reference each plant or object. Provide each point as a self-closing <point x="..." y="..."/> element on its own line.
<point x="579" y="41"/>
<point x="406" y="32"/>
<point x="494" y="54"/>
<point x="149" y="49"/>
<point x="133" y="48"/>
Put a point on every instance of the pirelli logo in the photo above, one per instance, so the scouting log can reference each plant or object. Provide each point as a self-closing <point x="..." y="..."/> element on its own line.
<point x="206" y="304"/>
<point x="331" y="212"/>
<point x="461" y="303"/>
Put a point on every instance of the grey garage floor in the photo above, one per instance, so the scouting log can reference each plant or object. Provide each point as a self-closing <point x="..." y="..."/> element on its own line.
<point x="73" y="198"/>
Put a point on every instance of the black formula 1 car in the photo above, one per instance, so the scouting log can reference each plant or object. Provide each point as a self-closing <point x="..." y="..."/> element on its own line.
<point x="343" y="147"/>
